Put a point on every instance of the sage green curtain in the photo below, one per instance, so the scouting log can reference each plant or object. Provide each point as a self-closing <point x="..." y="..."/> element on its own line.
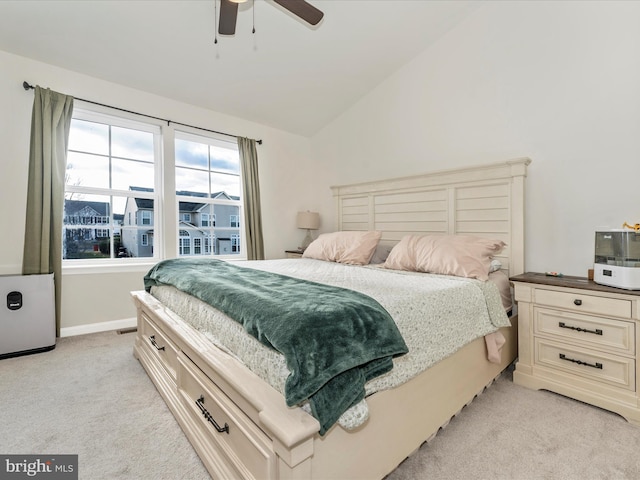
<point x="251" y="193"/>
<point x="50" y="123"/>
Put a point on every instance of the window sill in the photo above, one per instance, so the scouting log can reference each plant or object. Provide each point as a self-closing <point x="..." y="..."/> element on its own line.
<point x="128" y="267"/>
<point x="107" y="268"/>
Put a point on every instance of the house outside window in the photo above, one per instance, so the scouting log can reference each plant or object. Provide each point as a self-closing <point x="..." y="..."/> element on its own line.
<point x="142" y="209"/>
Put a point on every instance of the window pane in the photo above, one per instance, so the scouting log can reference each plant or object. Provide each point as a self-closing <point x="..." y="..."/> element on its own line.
<point x="133" y="144"/>
<point x="225" y="160"/>
<point x="104" y="155"/>
<point x="190" y="181"/>
<point x="87" y="170"/>
<point x="192" y="154"/>
<point x="136" y="242"/>
<point x="137" y="228"/>
<point x="229" y="184"/>
<point x="206" y="169"/>
<point x="89" y="137"/>
<point x="87" y="227"/>
<point x="129" y="173"/>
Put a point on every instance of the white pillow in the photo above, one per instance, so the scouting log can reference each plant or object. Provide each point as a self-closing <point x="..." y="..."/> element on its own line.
<point x="459" y="255"/>
<point x="354" y="248"/>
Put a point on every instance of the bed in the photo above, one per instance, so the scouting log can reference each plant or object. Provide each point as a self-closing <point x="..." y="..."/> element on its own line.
<point x="241" y="426"/>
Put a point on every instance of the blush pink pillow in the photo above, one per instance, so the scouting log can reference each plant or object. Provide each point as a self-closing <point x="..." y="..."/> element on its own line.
<point x="354" y="248"/>
<point x="459" y="255"/>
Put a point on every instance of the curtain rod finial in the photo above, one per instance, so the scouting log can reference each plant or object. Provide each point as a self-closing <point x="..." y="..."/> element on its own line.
<point x="26" y="86"/>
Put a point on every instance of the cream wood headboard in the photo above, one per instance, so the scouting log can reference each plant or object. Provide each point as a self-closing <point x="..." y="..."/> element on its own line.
<point x="485" y="200"/>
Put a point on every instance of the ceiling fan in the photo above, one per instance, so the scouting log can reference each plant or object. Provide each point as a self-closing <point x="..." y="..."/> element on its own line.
<point x="300" y="8"/>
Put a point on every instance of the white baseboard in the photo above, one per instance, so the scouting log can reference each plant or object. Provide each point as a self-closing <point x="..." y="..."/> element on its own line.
<point x="98" y="327"/>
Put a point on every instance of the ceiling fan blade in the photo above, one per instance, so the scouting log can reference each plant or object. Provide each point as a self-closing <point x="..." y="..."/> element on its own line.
<point x="302" y="9"/>
<point x="228" y="16"/>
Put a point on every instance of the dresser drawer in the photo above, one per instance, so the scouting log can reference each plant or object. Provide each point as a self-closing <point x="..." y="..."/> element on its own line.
<point x="580" y="302"/>
<point x="601" y="367"/>
<point x="617" y="336"/>
<point x="242" y="450"/>
<point x="159" y="345"/>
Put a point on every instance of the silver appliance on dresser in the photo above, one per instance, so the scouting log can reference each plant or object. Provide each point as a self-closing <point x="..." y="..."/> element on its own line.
<point x="617" y="259"/>
<point x="27" y="314"/>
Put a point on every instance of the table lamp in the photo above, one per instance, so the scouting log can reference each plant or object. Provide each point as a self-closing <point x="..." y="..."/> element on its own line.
<point x="308" y="221"/>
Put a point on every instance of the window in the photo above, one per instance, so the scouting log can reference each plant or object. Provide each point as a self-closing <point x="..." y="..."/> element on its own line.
<point x="208" y="245"/>
<point x="185" y="243"/>
<point x="207" y="174"/>
<point x="111" y="171"/>
<point x="114" y="191"/>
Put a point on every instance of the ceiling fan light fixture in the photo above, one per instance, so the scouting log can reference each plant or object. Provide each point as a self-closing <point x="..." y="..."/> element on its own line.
<point x="300" y="8"/>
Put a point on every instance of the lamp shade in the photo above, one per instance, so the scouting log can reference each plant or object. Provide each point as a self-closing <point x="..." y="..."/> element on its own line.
<point x="308" y="220"/>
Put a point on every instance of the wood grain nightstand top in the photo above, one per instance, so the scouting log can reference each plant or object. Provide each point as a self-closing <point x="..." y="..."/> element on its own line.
<point x="569" y="282"/>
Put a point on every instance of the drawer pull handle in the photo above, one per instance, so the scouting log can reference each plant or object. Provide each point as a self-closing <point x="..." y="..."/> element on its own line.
<point x="152" y="338"/>
<point x="597" y="331"/>
<point x="580" y="362"/>
<point x="577" y="302"/>
<point x="209" y="417"/>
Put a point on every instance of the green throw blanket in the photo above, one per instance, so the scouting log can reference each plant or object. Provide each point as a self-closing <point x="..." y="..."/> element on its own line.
<point x="333" y="339"/>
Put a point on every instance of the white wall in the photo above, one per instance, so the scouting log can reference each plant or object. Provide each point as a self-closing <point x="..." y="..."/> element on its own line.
<point x="558" y="82"/>
<point x="94" y="298"/>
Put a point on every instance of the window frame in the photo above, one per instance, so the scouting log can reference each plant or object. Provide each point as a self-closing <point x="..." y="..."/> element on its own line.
<point x="166" y="225"/>
<point x="215" y="140"/>
<point x="103" y="116"/>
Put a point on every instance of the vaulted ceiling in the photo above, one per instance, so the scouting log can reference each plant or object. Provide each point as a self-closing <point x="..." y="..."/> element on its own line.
<point x="288" y="75"/>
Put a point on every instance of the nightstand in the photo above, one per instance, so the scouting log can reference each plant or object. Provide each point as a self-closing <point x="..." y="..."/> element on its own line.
<point x="293" y="253"/>
<point x="579" y="339"/>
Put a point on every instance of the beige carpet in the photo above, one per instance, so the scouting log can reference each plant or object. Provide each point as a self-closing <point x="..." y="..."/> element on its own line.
<point x="91" y="397"/>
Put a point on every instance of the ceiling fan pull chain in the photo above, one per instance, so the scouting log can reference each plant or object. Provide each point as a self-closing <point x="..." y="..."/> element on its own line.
<point x="215" y="18"/>
<point x="253" y="11"/>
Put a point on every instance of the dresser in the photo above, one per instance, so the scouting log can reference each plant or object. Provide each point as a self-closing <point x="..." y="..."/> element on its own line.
<point x="579" y="339"/>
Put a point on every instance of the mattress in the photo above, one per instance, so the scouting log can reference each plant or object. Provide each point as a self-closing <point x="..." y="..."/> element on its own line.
<point x="436" y="315"/>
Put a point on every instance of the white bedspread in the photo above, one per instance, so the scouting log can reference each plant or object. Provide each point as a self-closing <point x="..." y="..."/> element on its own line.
<point x="436" y="315"/>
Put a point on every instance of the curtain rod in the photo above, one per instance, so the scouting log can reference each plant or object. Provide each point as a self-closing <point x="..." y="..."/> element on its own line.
<point x="26" y="86"/>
